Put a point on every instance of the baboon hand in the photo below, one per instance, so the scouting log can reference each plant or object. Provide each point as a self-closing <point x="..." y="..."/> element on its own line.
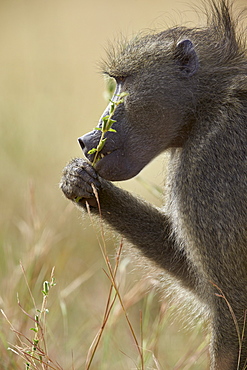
<point x="78" y="180"/>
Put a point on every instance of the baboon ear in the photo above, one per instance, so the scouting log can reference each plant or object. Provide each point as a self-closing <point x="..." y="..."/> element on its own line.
<point x="186" y="58"/>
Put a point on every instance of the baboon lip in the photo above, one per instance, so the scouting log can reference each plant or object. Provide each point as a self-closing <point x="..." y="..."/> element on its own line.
<point x="100" y="156"/>
<point x="103" y="155"/>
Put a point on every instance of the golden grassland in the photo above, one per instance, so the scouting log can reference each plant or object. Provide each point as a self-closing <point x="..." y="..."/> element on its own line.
<point x="52" y="93"/>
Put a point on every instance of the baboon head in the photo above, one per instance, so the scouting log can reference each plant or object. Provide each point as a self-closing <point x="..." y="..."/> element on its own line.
<point x="155" y="75"/>
<point x="163" y="75"/>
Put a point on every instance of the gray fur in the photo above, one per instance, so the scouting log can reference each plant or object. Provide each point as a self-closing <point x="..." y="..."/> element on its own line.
<point x="187" y="95"/>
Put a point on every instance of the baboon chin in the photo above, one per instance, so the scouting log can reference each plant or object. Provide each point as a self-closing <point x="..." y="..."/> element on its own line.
<point x="186" y="94"/>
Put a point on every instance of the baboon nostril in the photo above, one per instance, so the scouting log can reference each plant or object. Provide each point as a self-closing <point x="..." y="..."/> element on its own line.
<point x="81" y="143"/>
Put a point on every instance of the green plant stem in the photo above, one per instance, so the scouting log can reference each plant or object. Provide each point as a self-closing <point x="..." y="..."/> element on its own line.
<point x="107" y="123"/>
<point x="95" y="160"/>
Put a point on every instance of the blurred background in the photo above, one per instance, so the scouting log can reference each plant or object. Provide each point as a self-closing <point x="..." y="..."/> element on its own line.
<point x="52" y="92"/>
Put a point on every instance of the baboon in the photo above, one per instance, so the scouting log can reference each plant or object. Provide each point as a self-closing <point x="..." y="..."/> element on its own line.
<point x="187" y="95"/>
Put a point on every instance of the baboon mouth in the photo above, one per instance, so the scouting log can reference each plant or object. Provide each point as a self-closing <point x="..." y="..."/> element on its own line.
<point x="100" y="156"/>
<point x="103" y="155"/>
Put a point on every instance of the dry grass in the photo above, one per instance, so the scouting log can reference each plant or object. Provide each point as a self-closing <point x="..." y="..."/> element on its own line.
<point x="97" y="316"/>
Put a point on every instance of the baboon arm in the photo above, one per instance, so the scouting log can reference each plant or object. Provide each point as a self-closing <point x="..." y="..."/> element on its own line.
<point x="147" y="228"/>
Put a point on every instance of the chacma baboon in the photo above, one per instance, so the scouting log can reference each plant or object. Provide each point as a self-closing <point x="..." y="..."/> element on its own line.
<point x="187" y="94"/>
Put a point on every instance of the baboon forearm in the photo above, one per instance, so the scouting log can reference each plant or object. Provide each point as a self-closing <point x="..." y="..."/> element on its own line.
<point x="145" y="227"/>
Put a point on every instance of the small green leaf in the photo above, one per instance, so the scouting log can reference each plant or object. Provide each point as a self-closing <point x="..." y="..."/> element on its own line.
<point x="46" y="287"/>
<point x="123" y="95"/>
<point x="111" y="121"/>
<point x="112" y="108"/>
<point x="105" y="118"/>
<point x="34" y="329"/>
<point x="92" y="151"/>
<point x="104" y="125"/>
<point x="108" y="124"/>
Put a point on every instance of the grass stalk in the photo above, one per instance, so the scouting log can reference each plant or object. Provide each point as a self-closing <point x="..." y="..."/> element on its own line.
<point x="111" y="274"/>
<point x="240" y="334"/>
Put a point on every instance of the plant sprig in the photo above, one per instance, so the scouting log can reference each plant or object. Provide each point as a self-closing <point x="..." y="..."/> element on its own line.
<point x="33" y="348"/>
<point x="36" y="353"/>
<point x="107" y="123"/>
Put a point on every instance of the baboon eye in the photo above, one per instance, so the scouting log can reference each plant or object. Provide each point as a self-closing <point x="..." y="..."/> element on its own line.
<point x="120" y="79"/>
